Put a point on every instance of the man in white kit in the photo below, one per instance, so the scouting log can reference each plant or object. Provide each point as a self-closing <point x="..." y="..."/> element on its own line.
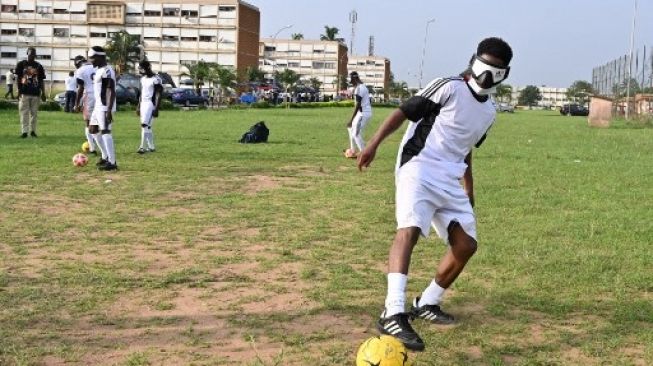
<point x="104" y="89"/>
<point x="85" y="100"/>
<point x="148" y="104"/>
<point x="448" y="118"/>
<point x="360" y="117"/>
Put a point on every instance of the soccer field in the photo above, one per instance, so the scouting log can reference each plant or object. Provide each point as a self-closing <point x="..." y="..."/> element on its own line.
<point x="209" y="252"/>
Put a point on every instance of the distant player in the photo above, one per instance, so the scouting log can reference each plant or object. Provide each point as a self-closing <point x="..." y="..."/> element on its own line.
<point x="360" y="117"/>
<point x="148" y="104"/>
<point x="85" y="100"/>
<point x="104" y="89"/>
<point x="448" y="118"/>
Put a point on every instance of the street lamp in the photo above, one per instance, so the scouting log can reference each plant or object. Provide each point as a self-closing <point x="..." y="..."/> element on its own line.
<point x="274" y="59"/>
<point x="421" y="68"/>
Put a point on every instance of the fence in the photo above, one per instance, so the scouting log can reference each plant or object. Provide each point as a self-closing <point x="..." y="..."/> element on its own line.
<point x="611" y="78"/>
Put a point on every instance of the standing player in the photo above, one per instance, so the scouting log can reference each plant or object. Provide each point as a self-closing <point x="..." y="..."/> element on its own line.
<point x="85" y="101"/>
<point x="360" y="117"/>
<point x="148" y="104"/>
<point x="104" y="89"/>
<point x="448" y="118"/>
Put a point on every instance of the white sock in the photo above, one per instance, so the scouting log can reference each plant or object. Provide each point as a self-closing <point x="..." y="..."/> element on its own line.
<point x="143" y="137"/>
<point x="108" y="145"/>
<point x="395" y="302"/>
<point x="100" y="144"/>
<point x="432" y="295"/>
<point x="89" y="139"/>
<point x="350" y="130"/>
<point x="150" y="138"/>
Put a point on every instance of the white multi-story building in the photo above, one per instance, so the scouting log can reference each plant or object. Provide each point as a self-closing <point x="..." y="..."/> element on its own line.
<point x="374" y="72"/>
<point x="551" y="97"/>
<point x="323" y="60"/>
<point x="170" y="33"/>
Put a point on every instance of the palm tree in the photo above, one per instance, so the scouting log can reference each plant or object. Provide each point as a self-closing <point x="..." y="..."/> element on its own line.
<point x="287" y="78"/>
<point x="330" y="34"/>
<point x="123" y="51"/>
<point x="198" y="72"/>
<point x="254" y="74"/>
<point x="315" y="83"/>
<point x="297" y="36"/>
<point x="225" y="77"/>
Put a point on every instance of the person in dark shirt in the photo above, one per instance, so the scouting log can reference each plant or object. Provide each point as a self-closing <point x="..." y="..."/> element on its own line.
<point x="30" y="76"/>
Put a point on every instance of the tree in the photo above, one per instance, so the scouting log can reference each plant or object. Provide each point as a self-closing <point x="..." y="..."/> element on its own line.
<point x="297" y="36"/>
<point x="504" y="91"/>
<point x="287" y="78"/>
<point x="330" y="34"/>
<point x="225" y="77"/>
<point x="315" y="83"/>
<point x="198" y="72"/>
<point x="620" y="90"/>
<point x="123" y="51"/>
<point x="342" y="82"/>
<point x="529" y="96"/>
<point x="579" y="91"/>
<point x="254" y="74"/>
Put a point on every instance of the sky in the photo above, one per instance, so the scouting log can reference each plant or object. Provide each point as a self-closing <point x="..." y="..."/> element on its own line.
<point x="554" y="42"/>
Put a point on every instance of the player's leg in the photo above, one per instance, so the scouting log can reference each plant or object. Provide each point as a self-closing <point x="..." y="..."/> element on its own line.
<point x="360" y="127"/>
<point x="150" y="136"/>
<point x="107" y="139"/>
<point x="23" y="109"/>
<point x="146" y="117"/>
<point x="94" y="130"/>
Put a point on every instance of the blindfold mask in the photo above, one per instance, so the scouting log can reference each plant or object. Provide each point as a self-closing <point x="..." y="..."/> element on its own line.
<point x="486" y="74"/>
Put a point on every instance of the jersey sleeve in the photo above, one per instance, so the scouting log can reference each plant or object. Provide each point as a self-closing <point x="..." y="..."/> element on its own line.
<point x="428" y="101"/>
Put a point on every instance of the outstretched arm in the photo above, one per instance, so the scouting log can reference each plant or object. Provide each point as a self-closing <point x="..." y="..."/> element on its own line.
<point x="390" y="125"/>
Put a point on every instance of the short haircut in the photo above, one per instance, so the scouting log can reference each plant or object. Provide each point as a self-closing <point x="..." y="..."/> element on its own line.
<point x="97" y="49"/>
<point x="71" y="74"/>
<point x="496" y="47"/>
<point x="30" y="49"/>
<point x="145" y="64"/>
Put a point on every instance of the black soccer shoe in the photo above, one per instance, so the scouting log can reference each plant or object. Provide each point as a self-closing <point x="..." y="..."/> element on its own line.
<point x="432" y="313"/>
<point x="108" y="166"/>
<point x="102" y="162"/>
<point x="399" y="327"/>
<point x="23" y="135"/>
<point x="33" y="134"/>
<point x="141" y="151"/>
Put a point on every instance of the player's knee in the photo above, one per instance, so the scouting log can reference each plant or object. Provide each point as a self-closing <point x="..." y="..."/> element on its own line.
<point x="106" y="132"/>
<point x="407" y="236"/>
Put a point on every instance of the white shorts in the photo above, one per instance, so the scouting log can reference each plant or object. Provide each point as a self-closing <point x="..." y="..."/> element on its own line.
<point x="147" y="108"/>
<point x="420" y="204"/>
<point x="359" y="122"/>
<point x="99" y="118"/>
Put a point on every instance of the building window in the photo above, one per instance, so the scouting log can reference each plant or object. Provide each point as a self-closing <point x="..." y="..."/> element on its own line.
<point x="190" y="13"/>
<point x="26" y="10"/>
<point x="329" y="65"/>
<point x="170" y="12"/>
<point x="98" y="35"/>
<point x="61" y="32"/>
<point x="60" y="11"/>
<point x="189" y="39"/>
<point x="43" y="9"/>
<point x="134" y="14"/>
<point x="293" y="64"/>
<point x="170" y="38"/>
<point x="270" y="48"/>
<point x="9" y="8"/>
<point x="207" y="39"/>
<point x="318" y="51"/>
<point x="146" y="38"/>
<point x="227" y="8"/>
<point x="8" y="54"/>
<point x="26" y="32"/>
<point x="106" y="13"/>
<point x="43" y="57"/>
<point x="187" y="62"/>
<point x="9" y="32"/>
<point x="152" y="13"/>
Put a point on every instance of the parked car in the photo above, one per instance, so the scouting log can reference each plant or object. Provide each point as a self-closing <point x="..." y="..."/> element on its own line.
<point x="574" y="110"/>
<point x="505" y="107"/>
<point x="188" y="97"/>
<point x="123" y="95"/>
<point x="61" y="99"/>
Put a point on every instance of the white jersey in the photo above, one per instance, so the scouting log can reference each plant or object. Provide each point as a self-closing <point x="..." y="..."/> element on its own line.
<point x="85" y="75"/>
<point x="447" y="121"/>
<point x="103" y="73"/>
<point x="362" y="92"/>
<point x="148" y="88"/>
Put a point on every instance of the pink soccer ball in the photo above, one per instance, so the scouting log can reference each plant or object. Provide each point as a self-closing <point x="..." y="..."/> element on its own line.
<point x="350" y="154"/>
<point x="80" y="160"/>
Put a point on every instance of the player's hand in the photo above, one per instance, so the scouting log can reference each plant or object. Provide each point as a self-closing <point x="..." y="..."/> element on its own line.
<point x="155" y="113"/>
<point x="349" y="124"/>
<point x="42" y="97"/>
<point x="108" y="116"/>
<point x="471" y="200"/>
<point x="366" y="157"/>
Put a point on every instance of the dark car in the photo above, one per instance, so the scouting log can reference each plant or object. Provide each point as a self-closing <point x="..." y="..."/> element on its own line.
<point x="574" y="110"/>
<point x="125" y="95"/>
<point x="188" y="97"/>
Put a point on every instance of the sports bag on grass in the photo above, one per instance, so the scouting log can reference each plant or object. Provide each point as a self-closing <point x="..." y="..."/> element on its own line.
<point x="257" y="133"/>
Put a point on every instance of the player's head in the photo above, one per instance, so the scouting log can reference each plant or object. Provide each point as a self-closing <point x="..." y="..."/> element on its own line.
<point x="12" y="71"/>
<point x="98" y="56"/>
<point x="489" y="66"/>
<point x="354" y="79"/>
<point x="31" y="54"/>
<point x="79" y="61"/>
<point x="145" y="68"/>
<point x="71" y="74"/>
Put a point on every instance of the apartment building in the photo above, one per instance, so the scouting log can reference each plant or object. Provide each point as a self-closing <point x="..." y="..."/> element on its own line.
<point x="374" y="71"/>
<point x="551" y="97"/>
<point x="324" y="60"/>
<point x="170" y="33"/>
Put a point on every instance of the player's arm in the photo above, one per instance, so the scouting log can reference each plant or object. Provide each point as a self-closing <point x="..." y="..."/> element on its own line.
<point x="41" y="78"/>
<point x="109" y="87"/>
<point x="468" y="179"/>
<point x="19" y="78"/>
<point x="158" y="90"/>
<point x="78" y="97"/>
<point x="390" y="125"/>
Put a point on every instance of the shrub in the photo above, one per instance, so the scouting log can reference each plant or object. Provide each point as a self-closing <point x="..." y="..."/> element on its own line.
<point x="7" y="105"/>
<point x="50" y="105"/>
<point x="166" y="105"/>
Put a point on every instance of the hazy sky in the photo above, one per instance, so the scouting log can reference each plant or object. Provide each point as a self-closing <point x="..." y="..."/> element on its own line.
<point x="554" y="41"/>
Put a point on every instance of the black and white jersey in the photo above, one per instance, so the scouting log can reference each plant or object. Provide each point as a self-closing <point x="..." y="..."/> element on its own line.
<point x="101" y="79"/>
<point x="447" y="120"/>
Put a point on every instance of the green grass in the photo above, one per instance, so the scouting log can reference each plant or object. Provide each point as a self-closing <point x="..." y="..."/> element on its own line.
<point x="212" y="252"/>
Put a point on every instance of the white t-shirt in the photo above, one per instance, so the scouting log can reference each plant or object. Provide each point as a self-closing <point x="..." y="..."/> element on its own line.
<point x="446" y="122"/>
<point x="147" y="87"/>
<point x="362" y="91"/>
<point x="101" y="102"/>
<point x="10" y="78"/>
<point x="85" y="74"/>
<point x="71" y="83"/>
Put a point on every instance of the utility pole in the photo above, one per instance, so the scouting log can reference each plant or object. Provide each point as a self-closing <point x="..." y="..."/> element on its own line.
<point x="630" y="62"/>
<point x="421" y="68"/>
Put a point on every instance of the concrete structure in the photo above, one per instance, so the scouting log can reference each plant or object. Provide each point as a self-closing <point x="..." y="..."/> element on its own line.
<point x="324" y="60"/>
<point x="551" y="97"/>
<point x="601" y="109"/>
<point x="374" y="71"/>
<point x="222" y="31"/>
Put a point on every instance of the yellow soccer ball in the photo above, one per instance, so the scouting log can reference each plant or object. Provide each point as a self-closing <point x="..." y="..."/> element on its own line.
<point x="85" y="147"/>
<point x="382" y="351"/>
